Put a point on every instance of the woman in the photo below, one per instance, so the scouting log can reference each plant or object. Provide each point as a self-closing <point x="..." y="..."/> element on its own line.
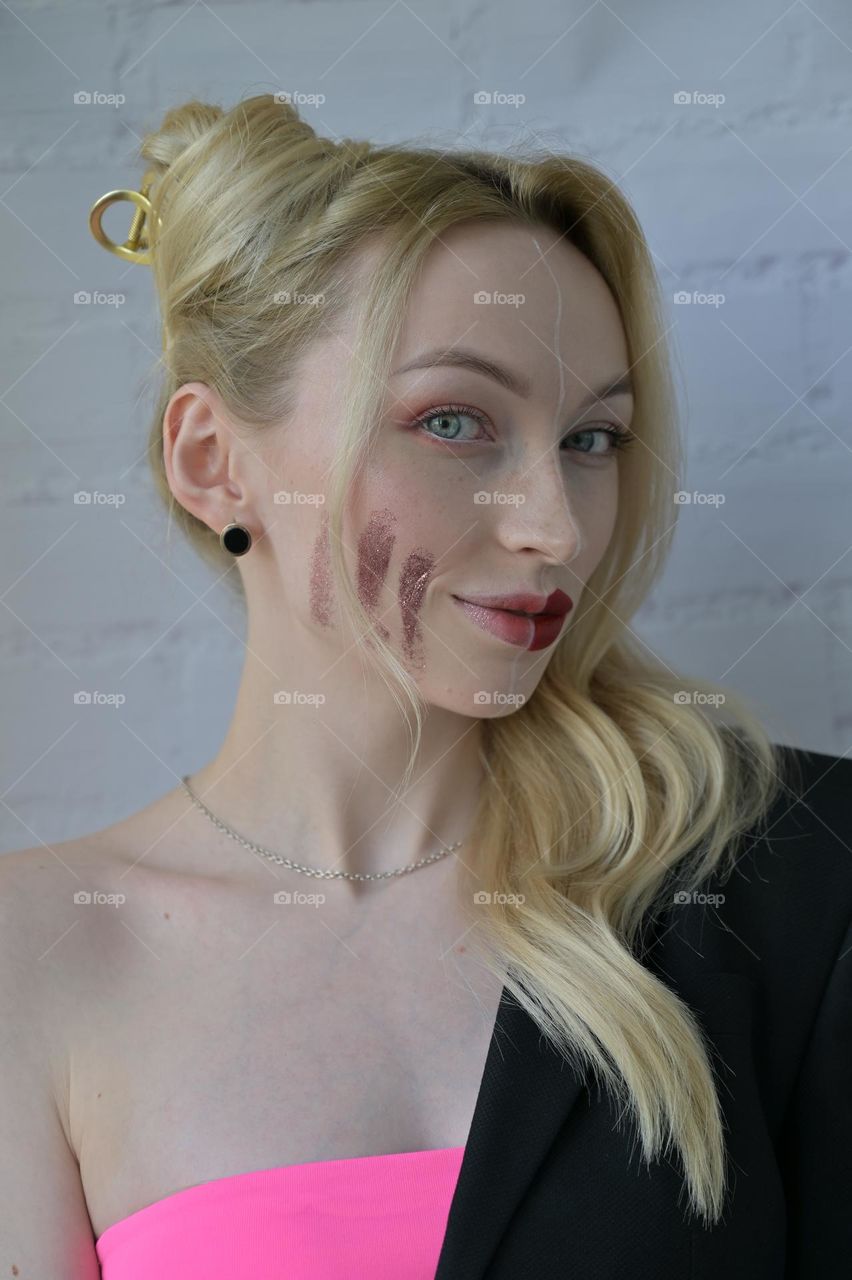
<point x="494" y="855"/>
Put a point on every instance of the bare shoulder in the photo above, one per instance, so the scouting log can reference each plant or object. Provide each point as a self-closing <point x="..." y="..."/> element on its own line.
<point x="49" y="880"/>
<point x="36" y="899"/>
<point x="71" y="911"/>
<point x="44" y="937"/>
<point x="40" y="887"/>
<point x="45" y="1216"/>
<point x="57" y="928"/>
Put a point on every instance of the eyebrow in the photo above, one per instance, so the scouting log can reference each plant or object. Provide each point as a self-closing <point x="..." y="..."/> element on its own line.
<point x="463" y="358"/>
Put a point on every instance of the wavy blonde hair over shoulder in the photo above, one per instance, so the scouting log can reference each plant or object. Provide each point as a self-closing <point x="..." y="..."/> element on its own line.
<point x="605" y="781"/>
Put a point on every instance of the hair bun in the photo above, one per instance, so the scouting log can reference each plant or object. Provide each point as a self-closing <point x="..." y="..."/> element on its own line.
<point x="181" y="127"/>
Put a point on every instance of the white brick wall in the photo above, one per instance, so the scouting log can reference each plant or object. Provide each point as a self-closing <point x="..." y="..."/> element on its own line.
<point x="758" y="591"/>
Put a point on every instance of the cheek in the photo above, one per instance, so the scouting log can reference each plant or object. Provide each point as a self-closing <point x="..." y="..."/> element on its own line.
<point x="403" y="514"/>
<point x="375" y="547"/>
<point x="374" y="551"/>
<point x="413" y="581"/>
<point x="607" y="512"/>
<point x="320" y="580"/>
<point x="402" y="507"/>
<point x="596" y="514"/>
<point x="394" y="562"/>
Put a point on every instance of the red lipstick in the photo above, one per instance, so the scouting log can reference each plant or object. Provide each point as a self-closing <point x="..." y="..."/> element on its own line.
<point x="523" y="618"/>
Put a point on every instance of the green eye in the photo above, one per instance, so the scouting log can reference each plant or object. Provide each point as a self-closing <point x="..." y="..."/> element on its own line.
<point x="448" y="416"/>
<point x="618" y="438"/>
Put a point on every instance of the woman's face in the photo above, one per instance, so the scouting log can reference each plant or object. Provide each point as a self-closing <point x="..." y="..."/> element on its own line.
<point x="491" y="476"/>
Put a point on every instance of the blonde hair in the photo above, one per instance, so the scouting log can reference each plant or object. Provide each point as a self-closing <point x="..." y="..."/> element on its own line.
<point x="606" y="780"/>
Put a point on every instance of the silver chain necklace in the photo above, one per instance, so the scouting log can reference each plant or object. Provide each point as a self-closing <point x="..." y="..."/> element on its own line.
<point x="319" y="872"/>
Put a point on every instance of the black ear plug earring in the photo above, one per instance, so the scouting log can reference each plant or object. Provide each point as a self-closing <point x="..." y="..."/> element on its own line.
<point x="235" y="538"/>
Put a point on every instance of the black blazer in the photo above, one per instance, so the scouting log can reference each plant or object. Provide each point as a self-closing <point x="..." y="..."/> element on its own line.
<point x="549" y="1187"/>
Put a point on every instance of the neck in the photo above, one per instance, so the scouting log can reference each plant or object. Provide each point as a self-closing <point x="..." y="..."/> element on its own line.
<point x="320" y="783"/>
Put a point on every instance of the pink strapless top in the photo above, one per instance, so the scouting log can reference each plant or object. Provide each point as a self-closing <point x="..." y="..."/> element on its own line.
<point x="376" y="1217"/>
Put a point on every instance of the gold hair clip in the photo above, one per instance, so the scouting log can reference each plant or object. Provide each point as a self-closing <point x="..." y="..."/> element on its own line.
<point x="136" y="247"/>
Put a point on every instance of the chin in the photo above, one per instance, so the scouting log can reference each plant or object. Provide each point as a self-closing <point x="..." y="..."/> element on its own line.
<point x="485" y="703"/>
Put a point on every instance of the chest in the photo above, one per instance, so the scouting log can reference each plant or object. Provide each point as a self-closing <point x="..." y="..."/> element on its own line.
<point x="235" y="1044"/>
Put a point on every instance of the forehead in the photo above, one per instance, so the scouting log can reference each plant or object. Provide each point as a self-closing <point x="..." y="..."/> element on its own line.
<point x="517" y="292"/>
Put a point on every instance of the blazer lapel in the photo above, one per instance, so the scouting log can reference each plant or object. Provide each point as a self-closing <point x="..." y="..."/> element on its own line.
<point x="525" y="1096"/>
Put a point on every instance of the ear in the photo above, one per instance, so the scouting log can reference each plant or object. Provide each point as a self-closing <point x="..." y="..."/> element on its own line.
<point x="200" y="448"/>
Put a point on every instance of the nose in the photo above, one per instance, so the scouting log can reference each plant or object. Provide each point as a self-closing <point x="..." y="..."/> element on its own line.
<point x="535" y="511"/>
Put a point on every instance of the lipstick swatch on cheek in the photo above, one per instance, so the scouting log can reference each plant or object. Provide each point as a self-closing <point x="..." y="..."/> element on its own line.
<point x="321" y="577"/>
<point x="374" y="553"/>
<point x="375" y="548"/>
<point x="413" y="580"/>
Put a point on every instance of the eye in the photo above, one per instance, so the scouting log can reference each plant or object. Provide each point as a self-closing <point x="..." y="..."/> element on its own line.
<point x="448" y="421"/>
<point x="448" y="418"/>
<point x="612" y="437"/>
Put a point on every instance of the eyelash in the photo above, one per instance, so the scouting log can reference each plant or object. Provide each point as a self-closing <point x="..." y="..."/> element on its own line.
<point x="620" y="437"/>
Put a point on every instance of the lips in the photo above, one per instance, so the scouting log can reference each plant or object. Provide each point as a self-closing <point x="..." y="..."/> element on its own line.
<point x="556" y="605"/>
<point x="524" y="620"/>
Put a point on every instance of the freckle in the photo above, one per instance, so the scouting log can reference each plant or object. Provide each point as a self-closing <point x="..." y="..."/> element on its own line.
<point x="374" y="552"/>
<point x="413" y="580"/>
<point x="15" y="1271"/>
<point x="321" y="576"/>
<point x="461" y="948"/>
<point x="167" y="915"/>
